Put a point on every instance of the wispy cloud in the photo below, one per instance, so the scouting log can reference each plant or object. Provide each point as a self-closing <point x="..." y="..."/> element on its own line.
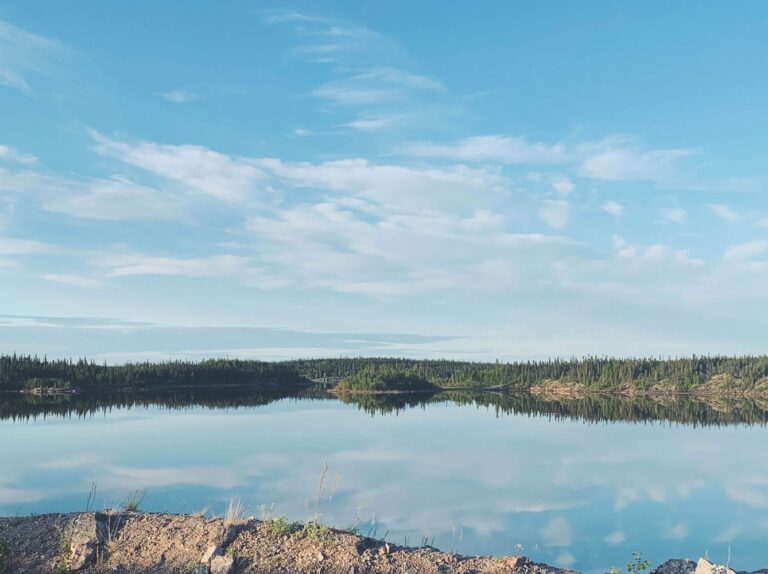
<point x="140" y="264"/>
<point x="192" y="166"/>
<point x="73" y="280"/>
<point x="673" y="214"/>
<point x="179" y="96"/>
<point x="492" y="148"/>
<point x="10" y="154"/>
<point x="613" y="208"/>
<point x="724" y="212"/>
<point x="24" y="55"/>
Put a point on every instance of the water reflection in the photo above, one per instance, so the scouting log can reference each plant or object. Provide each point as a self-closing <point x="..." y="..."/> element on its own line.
<point x="500" y="469"/>
<point x="596" y="408"/>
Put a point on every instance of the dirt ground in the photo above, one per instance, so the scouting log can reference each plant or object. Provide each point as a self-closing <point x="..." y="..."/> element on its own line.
<point x="144" y="543"/>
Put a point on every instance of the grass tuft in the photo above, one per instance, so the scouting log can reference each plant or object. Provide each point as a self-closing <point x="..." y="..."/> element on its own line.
<point x="133" y="500"/>
<point x="235" y="513"/>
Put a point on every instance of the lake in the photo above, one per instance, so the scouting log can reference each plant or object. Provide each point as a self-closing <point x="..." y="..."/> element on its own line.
<point x="576" y="483"/>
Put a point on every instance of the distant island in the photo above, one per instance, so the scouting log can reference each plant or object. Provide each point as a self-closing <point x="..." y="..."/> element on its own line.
<point x="745" y="375"/>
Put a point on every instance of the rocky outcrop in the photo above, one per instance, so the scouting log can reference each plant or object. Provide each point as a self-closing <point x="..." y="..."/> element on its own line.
<point x="144" y="543"/>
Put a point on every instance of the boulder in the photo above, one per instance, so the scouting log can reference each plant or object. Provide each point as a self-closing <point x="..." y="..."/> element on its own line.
<point x="210" y="554"/>
<point x="675" y="566"/>
<point x="82" y="555"/>
<point x="704" y="566"/>
<point x="222" y="565"/>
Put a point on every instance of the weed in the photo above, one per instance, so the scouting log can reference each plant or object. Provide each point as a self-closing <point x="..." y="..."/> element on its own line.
<point x="133" y="500"/>
<point x="235" y="513"/>
<point x="635" y="566"/>
<point x="91" y="498"/>
<point x="280" y="526"/>
<point x="202" y="512"/>
<point x="316" y="531"/>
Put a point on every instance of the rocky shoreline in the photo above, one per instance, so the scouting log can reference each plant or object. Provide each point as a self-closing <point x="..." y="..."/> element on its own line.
<point x="149" y="543"/>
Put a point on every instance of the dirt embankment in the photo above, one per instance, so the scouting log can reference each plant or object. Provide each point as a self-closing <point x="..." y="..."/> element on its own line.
<point x="144" y="543"/>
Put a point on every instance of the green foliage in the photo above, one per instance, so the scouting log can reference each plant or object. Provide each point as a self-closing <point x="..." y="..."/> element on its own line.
<point x="17" y="371"/>
<point x="280" y="526"/>
<point x="47" y="383"/>
<point x="316" y="531"/>
<point x="375" y="378"/>
<point x="718" y="373"/>
<point x="637" y="565"/>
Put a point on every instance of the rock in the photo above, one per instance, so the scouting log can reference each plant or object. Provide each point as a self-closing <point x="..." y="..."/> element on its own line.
<point x="704" y="566"/>
<point x="320" y="556"/>
<point x="82" y="555"/>
<point x="210" y="554"/>
<point x="200" y="569"/>
<point x="675" y="566"/>
<point x="222" y="565"/>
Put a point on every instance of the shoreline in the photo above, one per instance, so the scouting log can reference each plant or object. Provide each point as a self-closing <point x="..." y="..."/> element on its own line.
<point x="153" y="543"/>
<point x="144" y="542"/>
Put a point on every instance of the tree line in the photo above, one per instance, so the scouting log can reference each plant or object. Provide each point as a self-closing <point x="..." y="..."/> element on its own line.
<point x="717" y="373"/>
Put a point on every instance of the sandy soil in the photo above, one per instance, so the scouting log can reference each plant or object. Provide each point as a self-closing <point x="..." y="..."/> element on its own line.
<point x="143" y="543"/>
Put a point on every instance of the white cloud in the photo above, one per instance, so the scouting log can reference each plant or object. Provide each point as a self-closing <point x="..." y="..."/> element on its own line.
<point x="747" y="250"/>
<point x="677" y="532"/>
<point x="115" y="199"/>
<point x="555" y="213"/>
<point x="615" y="538"/>
<point x="393" y="185"/>
<point x="123" y="265"/>
<point x="724" y="212"/>
<point x="375" y="86"/>
<point x="673" y="214"/>
<point x="10" y="154"/>
<point x="370" y="124"/>
<point x="613" y="208"/>
<point x="631" y="164"/>
<point x="72" y="279"/>
<point x="491" y="148"/>
<point x="562" y="185"/>
<point x="179" y="96"/>
<point x="23" y="247"/>
<point x="194" y="167"/>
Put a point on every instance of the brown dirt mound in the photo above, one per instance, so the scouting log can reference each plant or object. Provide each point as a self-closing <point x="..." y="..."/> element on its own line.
<point x="144" y="543"/>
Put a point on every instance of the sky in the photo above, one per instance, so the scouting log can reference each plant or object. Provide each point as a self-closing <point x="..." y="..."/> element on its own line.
<point x="505" y="180"/>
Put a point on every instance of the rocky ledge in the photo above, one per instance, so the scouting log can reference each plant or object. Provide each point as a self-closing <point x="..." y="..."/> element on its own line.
<point x="703" y="566"/>
<point x="147" y="543"/>
<point x="144" y="543"/>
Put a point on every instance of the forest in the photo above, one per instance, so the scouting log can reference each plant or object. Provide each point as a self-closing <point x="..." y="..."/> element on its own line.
<point x="20" y="372"/>
<point x="717" y="374"/>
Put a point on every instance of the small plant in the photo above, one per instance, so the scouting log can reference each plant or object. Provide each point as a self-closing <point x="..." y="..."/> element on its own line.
<point x="235" y="513"/>
<point x="202" y="512"/>
<point x="316" y="531"/>
<point x="635" y="566"/>
<point x="133" y="500"/>
<point x="280" y="526"/>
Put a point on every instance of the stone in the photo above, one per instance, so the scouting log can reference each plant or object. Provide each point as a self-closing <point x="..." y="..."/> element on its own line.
<point x="704" y="566"/>
<point x="222" y="565"/>
<point x="82" y="555"/>
<point x="210" y="554"/>
<point x="675" y="566"/>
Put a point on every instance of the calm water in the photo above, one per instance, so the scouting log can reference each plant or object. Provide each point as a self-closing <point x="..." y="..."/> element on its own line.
<point x="577" y="484"/>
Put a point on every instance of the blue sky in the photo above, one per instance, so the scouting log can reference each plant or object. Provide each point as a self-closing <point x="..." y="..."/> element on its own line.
<point x="520" y="180"/>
